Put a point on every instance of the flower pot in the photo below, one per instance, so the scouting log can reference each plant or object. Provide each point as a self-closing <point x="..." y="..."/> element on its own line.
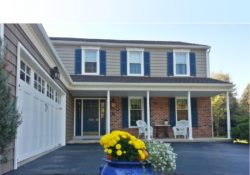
<point x="122" y="168"/>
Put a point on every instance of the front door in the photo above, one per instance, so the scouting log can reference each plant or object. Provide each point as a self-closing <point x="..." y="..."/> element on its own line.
<point x="90" y="117"/>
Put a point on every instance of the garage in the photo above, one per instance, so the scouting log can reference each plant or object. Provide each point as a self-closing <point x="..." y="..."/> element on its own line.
<point x="41" y="103"/>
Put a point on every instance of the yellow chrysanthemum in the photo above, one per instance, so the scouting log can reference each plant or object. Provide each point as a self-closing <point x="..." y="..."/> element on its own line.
<point x="109" y="151"/>
<point x="118" y="146"/>
<point x="142" y="156"/>
<point x="140" y="151"/>
<point x="118" y="152"/>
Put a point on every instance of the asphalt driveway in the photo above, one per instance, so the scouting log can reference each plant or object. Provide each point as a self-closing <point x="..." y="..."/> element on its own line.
<point x="193" y="159"/>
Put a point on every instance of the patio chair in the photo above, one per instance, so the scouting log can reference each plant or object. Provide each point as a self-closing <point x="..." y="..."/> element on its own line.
<point x="143" y="128"/>
<point x="181" y="128"/>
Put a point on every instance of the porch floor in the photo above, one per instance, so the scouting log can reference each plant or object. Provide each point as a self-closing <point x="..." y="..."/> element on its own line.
<point x="171" y="140"/>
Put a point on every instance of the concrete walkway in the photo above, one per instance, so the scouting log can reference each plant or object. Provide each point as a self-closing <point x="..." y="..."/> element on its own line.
<point x="193" y="159"/>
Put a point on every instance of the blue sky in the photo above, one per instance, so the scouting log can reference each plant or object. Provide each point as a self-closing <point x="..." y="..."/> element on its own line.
<point x="222" y="24"/>
<point x="229" y="43"/>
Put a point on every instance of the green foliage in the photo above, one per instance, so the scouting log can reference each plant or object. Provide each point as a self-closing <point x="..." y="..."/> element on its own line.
<point x="241" y="130"/>
<point x="245" y="101"/>
<point x="9" y="117"/>
<point x="219" y="107"/>
<point x="161" y="157"/>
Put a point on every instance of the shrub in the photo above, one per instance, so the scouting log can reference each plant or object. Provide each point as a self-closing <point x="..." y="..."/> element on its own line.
<point x="161" y="156"/>
<point x="241" y="130"/>
<point x="9" y="116"/>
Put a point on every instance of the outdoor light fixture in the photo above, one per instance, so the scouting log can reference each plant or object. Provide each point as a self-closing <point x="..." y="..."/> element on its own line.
<point x="55" y="73"/>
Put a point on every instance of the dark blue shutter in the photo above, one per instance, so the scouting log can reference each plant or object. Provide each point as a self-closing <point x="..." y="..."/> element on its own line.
<point x="194" y="112"/>
<point x="78" y="107"/>
<point x="125" y="112"/>
<point x="123" y="57"/>
<point x="170" y="62"/>
<point x="102" y="62"/>
<point x="192" y="64"/>
<point x="147" y="63"/>
<point x="78" y="61"/>
<point x="172" y="111"/>
<point x="145" y="110"/>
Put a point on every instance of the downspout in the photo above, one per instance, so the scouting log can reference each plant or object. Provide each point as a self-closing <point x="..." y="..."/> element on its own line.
<point x="208" y="62"/>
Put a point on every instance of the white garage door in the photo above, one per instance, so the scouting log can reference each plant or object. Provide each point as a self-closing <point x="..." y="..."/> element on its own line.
<point x="40" y="105"/>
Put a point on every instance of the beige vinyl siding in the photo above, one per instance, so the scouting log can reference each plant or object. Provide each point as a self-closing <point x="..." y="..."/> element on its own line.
<point x="113" y="61"/>
<point x="158" y="60"/>
<point x="201" y="66"/>
<point x="67" y="55"/>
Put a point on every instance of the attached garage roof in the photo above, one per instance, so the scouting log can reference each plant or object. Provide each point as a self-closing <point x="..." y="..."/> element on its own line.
<point x="132" y="79"/>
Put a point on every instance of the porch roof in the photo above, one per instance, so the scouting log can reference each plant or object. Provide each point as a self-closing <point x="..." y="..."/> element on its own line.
<point x="97" y="86"/>
<point x="137" y="79"/>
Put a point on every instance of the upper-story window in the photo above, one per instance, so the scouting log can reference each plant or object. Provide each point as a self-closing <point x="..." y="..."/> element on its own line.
<point x="181" y="63"/>
<point x="135" y="62"/>
<point x="90" y="60"/>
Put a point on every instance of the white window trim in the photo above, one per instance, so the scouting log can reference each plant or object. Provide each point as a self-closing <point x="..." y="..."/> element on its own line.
<point x="142" y="104"/>
<point x="128" y="62"/>
<point x="177" y="98"/>
<point x="97" y="60"/>
<point x="188" y="62"/>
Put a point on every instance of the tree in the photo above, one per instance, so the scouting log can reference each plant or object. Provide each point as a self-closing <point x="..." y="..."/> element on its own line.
<point x="245" y="101"/>
<point x="219" y="107"/>
<point x="9" y="116"/>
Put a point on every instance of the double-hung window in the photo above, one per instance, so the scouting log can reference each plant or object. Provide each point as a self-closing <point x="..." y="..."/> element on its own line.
<point x="135" y="110"/>
<point x="90" y="61"/>
<point x="181" y="109"/>
<point x="135" y="63"/>
<point x="181" y="63"/>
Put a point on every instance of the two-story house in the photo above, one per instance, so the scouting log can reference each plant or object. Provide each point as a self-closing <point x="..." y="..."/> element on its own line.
<point x="103" y="85"/>
<point x="117" y="82"/>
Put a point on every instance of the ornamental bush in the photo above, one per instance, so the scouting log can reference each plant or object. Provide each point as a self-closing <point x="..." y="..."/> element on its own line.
<point x="241" y="130"/>
<point x="122" y="146"/>
<point x="9" y="117"/>
<point x="161" y="157"/>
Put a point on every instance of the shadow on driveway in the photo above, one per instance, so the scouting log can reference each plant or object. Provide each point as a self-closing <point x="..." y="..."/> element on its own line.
<point x="193" y="159"/>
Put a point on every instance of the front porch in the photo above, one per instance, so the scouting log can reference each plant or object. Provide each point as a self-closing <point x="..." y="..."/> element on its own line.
<point x="99" y="112"/>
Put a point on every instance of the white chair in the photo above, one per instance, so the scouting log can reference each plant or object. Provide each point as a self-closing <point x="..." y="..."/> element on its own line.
<point x="181" y="128"/>
<point x="143" y="128"/>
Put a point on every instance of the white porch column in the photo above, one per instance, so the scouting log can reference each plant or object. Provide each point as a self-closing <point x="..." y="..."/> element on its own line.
<point x="190" y="129"/>
<point x="148" y="115"/>
<point x="108" y="112"/>
<point x="228" y="117"/>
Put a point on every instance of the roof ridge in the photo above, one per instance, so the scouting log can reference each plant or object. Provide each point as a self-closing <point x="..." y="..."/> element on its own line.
<point x="126" y="41"/>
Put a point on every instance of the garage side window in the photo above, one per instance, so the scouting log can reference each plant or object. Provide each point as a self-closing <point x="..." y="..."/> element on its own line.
<point x="58" y="98"/>
<point x="39" y="83"/>
<point x="25" y="72"/>
<point x="50" y="92"/>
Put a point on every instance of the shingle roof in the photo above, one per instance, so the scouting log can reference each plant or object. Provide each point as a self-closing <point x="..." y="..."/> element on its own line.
<point x="177" y="43"/>
<point x="133" y="79"/>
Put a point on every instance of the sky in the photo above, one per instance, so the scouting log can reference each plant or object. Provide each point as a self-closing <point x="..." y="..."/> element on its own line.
<point x="222" y="24"/>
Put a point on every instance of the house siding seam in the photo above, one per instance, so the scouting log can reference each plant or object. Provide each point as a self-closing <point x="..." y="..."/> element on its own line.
<point x="158" y="60"/>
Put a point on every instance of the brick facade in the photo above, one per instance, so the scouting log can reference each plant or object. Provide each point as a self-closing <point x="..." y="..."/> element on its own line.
<point x="159" y="107"/>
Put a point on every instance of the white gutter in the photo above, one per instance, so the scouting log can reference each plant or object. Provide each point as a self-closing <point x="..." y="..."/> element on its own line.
<point x="208" y="62"/>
